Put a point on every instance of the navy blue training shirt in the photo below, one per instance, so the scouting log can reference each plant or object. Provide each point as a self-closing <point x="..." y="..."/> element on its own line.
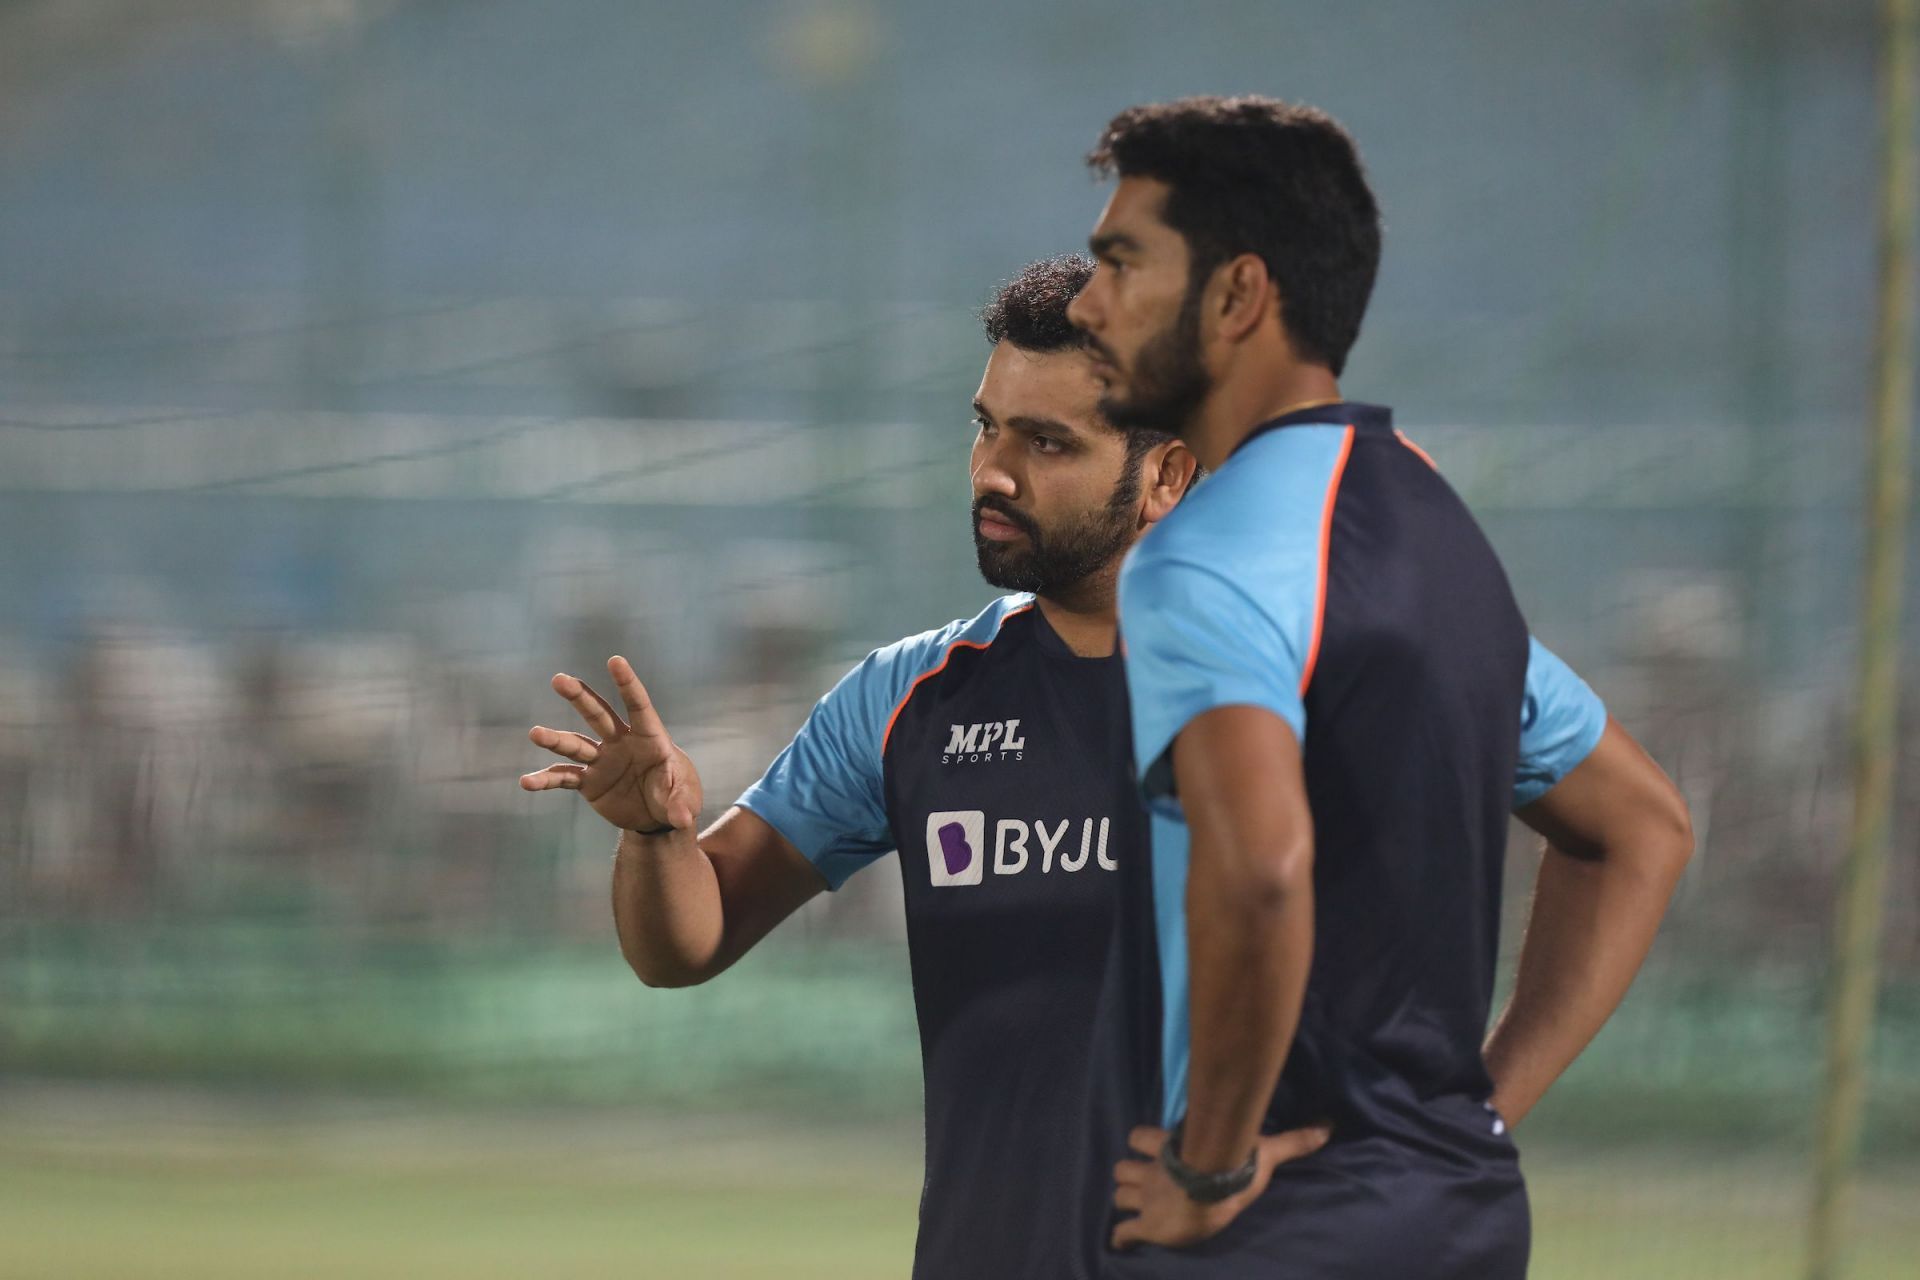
<point x="1328" y="574"/>
<point x="997" y="763"/>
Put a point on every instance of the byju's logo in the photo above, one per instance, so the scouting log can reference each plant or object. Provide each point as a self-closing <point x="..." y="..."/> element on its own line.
<point x="986" y="742"/>
<point x="956" y="847"/>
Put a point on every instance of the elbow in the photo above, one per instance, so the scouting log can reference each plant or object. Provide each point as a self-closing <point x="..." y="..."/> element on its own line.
<point x="1677" y="832"/>
<point x="1662" y="841"/>
<point x="665" y="981"/>
<point x="662" y="977"/>
<point x="1666" y="827"/>
<point x="1264" y="881"/>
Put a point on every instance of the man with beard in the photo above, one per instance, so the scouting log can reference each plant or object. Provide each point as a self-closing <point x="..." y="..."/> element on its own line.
<point x="992" y="753"/>
<point x="1327" y="670"/>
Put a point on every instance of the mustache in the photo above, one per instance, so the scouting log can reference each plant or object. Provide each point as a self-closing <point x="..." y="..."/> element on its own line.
<point x="1004" y="510"/>
<point x="1098" y="349"/>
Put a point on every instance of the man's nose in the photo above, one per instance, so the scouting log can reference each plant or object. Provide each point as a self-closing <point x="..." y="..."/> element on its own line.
<point x="1082" y="313"/>
<point x="991" y="474"/>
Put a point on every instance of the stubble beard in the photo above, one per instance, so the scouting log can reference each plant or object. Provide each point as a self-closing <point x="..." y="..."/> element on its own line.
<point x="1169" y="380"/>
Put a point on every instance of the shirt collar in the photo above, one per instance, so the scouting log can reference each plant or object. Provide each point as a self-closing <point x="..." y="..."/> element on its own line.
<point x="1342" y="413"/>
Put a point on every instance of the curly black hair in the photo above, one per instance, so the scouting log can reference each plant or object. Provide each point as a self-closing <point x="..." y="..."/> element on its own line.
<point x="1256" y="175"/>
<point x="1030" y="310"/>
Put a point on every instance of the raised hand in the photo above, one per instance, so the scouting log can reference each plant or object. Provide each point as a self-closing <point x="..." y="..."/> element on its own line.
<point x="632" y="774"/>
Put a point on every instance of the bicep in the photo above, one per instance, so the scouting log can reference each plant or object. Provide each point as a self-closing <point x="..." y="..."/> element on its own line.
<point x="763" y="878"/>
<point x="1616" y="797"/>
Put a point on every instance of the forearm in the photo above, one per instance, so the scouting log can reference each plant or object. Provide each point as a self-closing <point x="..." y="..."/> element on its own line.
<point x="1249" y="947"/>
<point x="1590" y="926"/>
<point x="668" y="908"/>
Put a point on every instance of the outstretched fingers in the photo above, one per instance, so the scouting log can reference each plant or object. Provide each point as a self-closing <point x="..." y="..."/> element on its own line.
<point x="592" y="707"/>
<point x="574" y="746"/>
<point x="640" y="713"/>
<point x="555" y="777"/>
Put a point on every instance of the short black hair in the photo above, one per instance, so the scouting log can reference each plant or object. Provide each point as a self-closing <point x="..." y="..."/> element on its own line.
<point x="1261" y="176"/>
<point x="1030" y="311"/>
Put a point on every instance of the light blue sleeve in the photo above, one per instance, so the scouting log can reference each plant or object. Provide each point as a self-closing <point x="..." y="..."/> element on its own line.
<point x="1195" y="641"/>
<point x="824" y="791"/>
<point x="1561" y="721"/>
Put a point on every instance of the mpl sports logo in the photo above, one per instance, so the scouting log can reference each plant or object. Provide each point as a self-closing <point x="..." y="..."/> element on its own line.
<point x="984" y="743"/>
<point x="957" y="846"/>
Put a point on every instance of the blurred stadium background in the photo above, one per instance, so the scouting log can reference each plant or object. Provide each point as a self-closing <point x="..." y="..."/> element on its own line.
<point x="363" y="362"/>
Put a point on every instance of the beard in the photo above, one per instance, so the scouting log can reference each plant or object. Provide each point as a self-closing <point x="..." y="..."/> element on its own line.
<point x="1168" y="381"/>
<point x="1053" y="563"/>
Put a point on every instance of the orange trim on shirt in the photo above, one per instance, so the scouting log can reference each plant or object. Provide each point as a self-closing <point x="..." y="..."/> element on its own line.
<point x="1326" y="543"/>
<point x="1424" y="455"/>
<point x="944" y="659"/>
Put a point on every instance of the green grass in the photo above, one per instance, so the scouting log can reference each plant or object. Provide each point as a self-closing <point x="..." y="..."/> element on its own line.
<point x="206" y="1223"/>
<point x="762" y="1125"/>
<point x="169" y="1184"/>
<point x="1688" y="1216"/>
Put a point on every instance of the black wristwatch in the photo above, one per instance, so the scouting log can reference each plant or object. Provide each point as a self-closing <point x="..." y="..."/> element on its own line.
<point x="657" y="831"/>
<point x="1205" y="1188"/>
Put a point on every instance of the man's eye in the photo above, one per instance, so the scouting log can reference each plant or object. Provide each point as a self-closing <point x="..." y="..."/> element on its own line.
<point x="986" y="428"/>
<point x="1046" y="444"/>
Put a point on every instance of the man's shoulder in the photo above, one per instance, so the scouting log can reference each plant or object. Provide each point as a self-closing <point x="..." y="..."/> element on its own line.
<point x="905" y="660"/>
<point x="862" y="705"/>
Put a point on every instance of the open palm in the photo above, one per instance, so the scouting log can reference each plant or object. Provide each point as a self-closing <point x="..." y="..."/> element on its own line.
<point x="632" y="774"/>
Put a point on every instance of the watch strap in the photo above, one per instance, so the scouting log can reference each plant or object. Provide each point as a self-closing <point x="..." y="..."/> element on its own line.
<point x="1205" y="1188"/>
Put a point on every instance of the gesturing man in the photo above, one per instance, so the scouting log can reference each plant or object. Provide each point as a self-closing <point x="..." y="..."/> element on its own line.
<point x="992" y="753"/>
<point x="1336" y="703"/>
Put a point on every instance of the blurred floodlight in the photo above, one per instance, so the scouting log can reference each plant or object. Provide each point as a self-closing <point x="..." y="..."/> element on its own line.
<point x="829" y="43"/>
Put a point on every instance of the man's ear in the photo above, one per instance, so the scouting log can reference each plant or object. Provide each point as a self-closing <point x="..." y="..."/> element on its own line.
<point x="1169" y="470"/>
<point x="1244" y="296"/>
